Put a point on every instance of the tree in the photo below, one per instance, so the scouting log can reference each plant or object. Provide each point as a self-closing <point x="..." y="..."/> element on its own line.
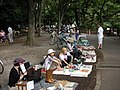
<point x="31" y="23"/>
<point x="40" y="9"/>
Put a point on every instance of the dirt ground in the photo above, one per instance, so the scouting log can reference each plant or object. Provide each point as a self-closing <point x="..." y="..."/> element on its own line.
<point x="34" y="54"/>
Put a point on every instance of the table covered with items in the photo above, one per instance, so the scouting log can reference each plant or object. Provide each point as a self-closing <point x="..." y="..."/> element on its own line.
<point x="81" y="76"/>
<point x="84" y="71"/>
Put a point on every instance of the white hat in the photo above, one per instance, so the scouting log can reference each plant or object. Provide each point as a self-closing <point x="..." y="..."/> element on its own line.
<point x="50" y="51"/>
<point x="73" y="26"/>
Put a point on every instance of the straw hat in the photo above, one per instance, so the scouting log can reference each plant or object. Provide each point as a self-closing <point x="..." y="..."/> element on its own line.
<point x="70" y="40"/>
<point x="50" y="51"/>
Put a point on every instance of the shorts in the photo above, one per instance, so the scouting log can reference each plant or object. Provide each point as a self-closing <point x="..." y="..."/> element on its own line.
<point x="100" y="39"/>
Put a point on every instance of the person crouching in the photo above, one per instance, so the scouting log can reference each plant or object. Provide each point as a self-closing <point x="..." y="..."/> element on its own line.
<point x="51" y="63"/>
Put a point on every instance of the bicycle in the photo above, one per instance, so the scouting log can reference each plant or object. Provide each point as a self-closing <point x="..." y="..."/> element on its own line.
<point x="60" y="40"/>
<point x="1" y="67"/>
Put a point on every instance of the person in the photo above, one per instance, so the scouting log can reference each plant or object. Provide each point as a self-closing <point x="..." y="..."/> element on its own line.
<point x="10" y="35"/>
<point x="73" y="31"/>
<point x="73" y="49"/>
<point x="65" y="57"/>
<point x="51" y="63"/>
<point x="100" y="36"/>
<point x="2" y="36"/>
<point x="77" y="34"/>
<point x="15" y="74"/>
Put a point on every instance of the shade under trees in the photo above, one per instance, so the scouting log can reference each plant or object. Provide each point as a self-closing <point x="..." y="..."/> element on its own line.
<point x="35" y="13"/>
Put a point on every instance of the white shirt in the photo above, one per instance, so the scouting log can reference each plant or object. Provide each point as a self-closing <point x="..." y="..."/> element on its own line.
<point x="100" y="32"/>
<point x="64" y="56"/>
<point x="48" y="62"/>
<point x="10" y="30"/>
<point x="70" y="47"/>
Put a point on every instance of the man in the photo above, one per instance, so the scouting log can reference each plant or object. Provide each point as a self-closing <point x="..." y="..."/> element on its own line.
<point x="10" y="35"/>
<point x="100" y="37"/>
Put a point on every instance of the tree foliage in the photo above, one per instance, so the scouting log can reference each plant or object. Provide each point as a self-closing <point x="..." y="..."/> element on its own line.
<point x="86" y="13"/>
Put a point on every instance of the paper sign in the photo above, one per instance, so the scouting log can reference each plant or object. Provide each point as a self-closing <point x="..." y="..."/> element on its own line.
<point x="23" y="68"/>
<point x="30" y="85"/>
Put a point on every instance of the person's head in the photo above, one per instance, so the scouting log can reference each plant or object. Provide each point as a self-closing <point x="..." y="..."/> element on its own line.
<point x="18" y="61"/>
<point x="70" y="40"/>
<point x="51" y="52"/>
<point x="99" y="24"/>
<point x="2" y="31"/>
<point x="64" y="50"/>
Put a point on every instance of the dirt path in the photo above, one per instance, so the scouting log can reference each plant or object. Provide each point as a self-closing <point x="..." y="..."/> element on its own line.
<point x="33" y="54"/>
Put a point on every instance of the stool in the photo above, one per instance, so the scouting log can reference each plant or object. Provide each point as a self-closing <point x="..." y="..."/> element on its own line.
<point x="25" y="85"/>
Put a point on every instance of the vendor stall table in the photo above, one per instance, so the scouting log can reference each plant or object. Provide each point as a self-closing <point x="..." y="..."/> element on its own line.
<point x="85" y="83"/>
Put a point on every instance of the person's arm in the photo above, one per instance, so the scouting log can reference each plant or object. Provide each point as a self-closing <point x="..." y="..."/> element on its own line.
<point x="22" y="75"/>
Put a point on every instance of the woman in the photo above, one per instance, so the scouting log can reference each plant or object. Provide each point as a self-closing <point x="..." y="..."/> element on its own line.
<point x="2" y="36"/>
<point x="51" y="63"/>
<point x="15" y="74"/>
<point x="73" y="49"/>
<point x="65" y="57"/>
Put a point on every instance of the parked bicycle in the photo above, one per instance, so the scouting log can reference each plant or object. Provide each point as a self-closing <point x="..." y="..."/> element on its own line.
<point x="60" y="40"/>
<point x="1" y="67"/>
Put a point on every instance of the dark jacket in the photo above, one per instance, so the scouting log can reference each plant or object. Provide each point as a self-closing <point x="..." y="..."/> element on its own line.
<point x="14" y="76"/>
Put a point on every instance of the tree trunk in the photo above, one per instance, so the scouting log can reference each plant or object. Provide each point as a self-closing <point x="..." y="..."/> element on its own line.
<point x="31" y="24"/>
<point x="40" y="17"/>
<point x="100" y="15"/>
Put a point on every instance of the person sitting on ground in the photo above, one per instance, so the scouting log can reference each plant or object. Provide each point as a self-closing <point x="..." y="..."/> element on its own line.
<point x="2" y="36"/>
<point x="65" y="57"/>
<point x="15" y="73"/>
<point x="51" y="64"/>
<point x="73" y="49"/>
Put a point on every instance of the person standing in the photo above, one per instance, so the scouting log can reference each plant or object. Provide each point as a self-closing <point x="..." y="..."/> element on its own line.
<point x="100" y="36"/>
<point x="10" y="35"/>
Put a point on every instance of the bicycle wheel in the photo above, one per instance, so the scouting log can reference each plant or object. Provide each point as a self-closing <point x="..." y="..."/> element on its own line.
<point x="1" y="67"/>
<point x="53" y="41"/>
<point x="61" y="43"/>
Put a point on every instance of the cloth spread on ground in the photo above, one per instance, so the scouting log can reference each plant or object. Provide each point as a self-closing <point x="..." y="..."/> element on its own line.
<point x="84" y="71"/>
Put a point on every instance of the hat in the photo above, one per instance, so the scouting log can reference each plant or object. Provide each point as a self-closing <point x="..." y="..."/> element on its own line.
<point x="70" y="40"/>
<point x="73" y="26"/>
<point x="50" y="51"/>
<point x="19" y="60"/>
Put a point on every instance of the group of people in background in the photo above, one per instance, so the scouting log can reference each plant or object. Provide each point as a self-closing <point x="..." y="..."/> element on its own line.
<point x="66" y="56"/>
<point x="51" y="62"/>
<point x="75" y="33"/>
<point x="4" y="37"/>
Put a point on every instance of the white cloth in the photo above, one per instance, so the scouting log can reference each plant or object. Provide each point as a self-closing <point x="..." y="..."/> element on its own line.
<point x="10" y="35"/>
<point x="100" y="35"/>
<point x="100" y="39"/>
<point x="10" y="30"/>
<point x="100" y="32"/>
